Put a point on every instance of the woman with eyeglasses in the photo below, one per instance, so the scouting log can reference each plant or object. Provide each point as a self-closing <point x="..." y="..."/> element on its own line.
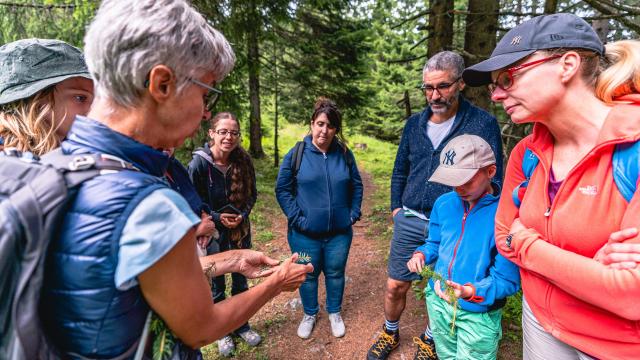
<point x="223" y="175"/>
<point x="566" y="217"/>
<point x="320" y="191"/>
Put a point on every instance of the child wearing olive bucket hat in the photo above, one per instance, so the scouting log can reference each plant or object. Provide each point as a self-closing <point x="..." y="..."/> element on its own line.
<point x="44" y="84"/>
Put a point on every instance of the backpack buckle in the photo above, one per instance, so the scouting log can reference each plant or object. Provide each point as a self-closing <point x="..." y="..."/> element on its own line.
<point x="82" y="163"/>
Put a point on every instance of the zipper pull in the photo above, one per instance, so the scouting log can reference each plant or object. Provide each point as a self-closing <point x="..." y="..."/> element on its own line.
<point x="325" y="156"/>
<point x="548" y="212"/>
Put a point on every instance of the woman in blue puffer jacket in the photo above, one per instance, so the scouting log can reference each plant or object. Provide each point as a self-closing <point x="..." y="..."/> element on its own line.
<point x="321" y="197"/>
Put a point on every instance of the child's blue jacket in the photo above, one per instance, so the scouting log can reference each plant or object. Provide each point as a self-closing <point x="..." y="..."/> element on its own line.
<point x="461" y="242"/>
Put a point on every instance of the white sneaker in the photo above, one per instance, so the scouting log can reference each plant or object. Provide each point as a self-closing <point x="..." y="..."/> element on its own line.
<point x="251" y="337"/>
<point x="337" y="325"/>
<point x="306" y="326"/>
<point x="226" y="346"/>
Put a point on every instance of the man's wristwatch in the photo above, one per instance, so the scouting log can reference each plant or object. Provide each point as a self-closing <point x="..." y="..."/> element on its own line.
<point x="508" y="240"/>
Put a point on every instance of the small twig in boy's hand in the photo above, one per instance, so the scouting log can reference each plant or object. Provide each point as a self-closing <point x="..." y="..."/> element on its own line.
<point x="427" y="273"/>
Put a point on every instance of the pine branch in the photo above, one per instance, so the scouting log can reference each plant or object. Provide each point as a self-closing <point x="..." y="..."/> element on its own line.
<point x="414" y="17"/>
<point x="599" y="5"/>
<point x="39" y="6"/>
<point x="419" y="42"/>
<point x="407" y="60"/>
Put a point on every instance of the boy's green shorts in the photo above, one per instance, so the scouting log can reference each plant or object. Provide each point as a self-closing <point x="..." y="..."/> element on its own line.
<point x="475" y="336"/>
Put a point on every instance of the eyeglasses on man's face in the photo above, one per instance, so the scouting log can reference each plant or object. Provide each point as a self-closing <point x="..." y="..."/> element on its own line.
<point x="504" y="80"/>
<point x="224" y="132"/>
<point x="213" y="95"/>
<point x="442" y="88"/>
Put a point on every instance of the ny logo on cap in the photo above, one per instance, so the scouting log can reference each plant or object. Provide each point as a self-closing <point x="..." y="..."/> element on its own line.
<point x="516" y="40"/>
<point x="448" y="157"/>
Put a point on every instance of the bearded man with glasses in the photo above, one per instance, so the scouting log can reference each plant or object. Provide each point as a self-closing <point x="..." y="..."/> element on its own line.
<point x="425" y="134"/>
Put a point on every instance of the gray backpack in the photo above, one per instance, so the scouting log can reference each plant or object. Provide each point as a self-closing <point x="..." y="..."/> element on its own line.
<point x="33" y="199"/>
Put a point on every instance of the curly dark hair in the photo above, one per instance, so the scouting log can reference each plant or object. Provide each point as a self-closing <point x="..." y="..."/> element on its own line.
<point x="240" y="165"/>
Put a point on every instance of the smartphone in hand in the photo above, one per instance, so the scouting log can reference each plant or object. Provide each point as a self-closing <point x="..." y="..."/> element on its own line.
<point x="229" y="209"/>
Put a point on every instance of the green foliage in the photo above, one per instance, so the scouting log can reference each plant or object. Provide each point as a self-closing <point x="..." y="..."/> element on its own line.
<point x="397" y="58"/>
<point x="512" y="315"/>
<point x="50" y="19"/>
<point x="163" y="339"/>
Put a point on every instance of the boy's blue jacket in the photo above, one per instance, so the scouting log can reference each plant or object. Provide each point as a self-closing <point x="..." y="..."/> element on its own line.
<point x="327" y="194"/>
<point x="462" y="243"/>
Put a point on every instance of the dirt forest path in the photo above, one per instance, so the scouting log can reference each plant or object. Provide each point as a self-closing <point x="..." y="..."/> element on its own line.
<point x="362" y="308"/>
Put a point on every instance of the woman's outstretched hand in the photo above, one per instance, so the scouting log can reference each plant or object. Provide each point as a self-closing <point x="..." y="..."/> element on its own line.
<point x="254" y="264"/>
<point x="290" y="275"/>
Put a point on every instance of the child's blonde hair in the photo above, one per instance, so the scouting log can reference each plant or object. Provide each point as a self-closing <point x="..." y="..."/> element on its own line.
<point x="622" y="77"/>
<point x="28" y="125"/>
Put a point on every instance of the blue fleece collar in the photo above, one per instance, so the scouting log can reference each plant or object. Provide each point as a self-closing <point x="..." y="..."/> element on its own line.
<point x="309" y="143"/>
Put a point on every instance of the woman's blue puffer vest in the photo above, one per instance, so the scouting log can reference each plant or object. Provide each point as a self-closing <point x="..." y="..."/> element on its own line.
<point x="81" y="308"/>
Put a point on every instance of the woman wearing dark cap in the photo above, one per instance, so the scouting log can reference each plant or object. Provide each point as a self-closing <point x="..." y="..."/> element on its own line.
<point x="321" y="197"/>
<point x="44" y="84"/>
<point x="576" y="305"/>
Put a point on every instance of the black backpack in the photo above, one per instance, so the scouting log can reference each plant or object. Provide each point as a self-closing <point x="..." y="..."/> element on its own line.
<point x="33" y="199"/>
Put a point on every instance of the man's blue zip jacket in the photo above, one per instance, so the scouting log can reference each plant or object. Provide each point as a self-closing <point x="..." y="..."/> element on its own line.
<point x="416" y="159"/>
<point x="462" y="243"/>
<point x="326" y="195"/>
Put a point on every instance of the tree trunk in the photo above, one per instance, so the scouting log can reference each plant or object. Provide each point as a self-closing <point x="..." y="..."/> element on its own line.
<point x="480" y="40"/>
<point x="407" y="104"/>
<point x="550" y="6"/>
<point x="276" y="155"/>
<point x="253" y="62"/>
<point x="601" y="26"/>
<point x="440" y="26"/>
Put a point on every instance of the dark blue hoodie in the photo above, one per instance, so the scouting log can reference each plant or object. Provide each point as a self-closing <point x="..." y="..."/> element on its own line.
<point x="326" y="195"/>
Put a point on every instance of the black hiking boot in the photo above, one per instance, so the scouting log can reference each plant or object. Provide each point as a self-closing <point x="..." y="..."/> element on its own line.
<point x="385" y="343"/>
<point x="426" y="349"/>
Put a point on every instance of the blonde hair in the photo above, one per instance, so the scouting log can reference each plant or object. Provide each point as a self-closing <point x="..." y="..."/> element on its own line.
<point x="27" y="124"/>
<point x="622" y="77"/>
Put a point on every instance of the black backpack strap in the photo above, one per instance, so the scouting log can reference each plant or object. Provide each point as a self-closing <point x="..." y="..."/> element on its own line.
<point x="298" y="150"/>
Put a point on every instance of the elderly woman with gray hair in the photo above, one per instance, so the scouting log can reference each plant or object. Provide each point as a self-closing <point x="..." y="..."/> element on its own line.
<point x="127" y="243"/>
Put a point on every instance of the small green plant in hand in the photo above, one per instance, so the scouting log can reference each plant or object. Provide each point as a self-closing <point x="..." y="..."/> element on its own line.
<point x="428" y="273"/>
<point x="303" y="259"/>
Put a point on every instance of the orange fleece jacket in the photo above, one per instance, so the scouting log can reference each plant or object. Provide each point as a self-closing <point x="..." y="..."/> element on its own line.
<point x="581" y="302"/>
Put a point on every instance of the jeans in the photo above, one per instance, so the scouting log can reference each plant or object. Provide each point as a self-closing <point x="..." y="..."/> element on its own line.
<point x="328" y="255"/>
<point x="238" y="281"/>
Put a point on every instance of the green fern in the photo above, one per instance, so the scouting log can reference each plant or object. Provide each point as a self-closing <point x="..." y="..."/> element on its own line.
<point x="163" y="339"/>
<point x="428" y="273"/>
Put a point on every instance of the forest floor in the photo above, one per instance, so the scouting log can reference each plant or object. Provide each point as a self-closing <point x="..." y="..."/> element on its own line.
<point x="362" y="308"/>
